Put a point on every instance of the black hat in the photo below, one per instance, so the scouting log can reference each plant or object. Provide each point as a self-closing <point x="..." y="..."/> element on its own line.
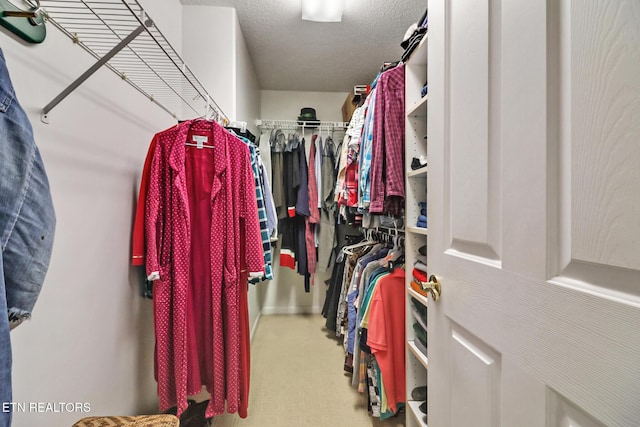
<point x="308" y="115"/>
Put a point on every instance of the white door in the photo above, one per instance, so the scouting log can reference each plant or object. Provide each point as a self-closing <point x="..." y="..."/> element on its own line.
<point x="534" y="213"/>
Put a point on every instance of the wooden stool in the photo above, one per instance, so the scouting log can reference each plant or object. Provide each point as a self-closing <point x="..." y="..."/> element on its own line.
<point x="136" y="421"/>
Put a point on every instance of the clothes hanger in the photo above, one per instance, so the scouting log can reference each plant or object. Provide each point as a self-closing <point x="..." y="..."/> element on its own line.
<point x="367" y="242"/>
<point x="210" y="115"/>
<point x="26" y="24"/>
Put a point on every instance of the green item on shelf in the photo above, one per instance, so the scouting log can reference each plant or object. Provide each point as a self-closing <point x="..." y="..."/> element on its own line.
<point x="420" y="333"/>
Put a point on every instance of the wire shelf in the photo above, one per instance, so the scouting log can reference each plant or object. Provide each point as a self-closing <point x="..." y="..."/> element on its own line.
<point x="296" y="124"/>
<point x="147" y="62"/>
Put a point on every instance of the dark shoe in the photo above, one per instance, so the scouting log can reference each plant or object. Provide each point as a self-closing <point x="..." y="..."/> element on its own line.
<point x="194" y="416"/>
<point x="348" y="363"/>
<point x="423" y="407"/>
<point x="418" y="162"/>
<point x="419" y="393"/>
<point x="423" y="250"/>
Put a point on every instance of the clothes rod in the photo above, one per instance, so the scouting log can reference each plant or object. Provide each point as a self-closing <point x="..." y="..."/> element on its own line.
<point x="294" y="124"/>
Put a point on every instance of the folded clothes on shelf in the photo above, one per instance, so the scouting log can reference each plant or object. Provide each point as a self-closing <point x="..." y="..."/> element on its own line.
<point x="421" y="333"/>
<point x="419" y="288"/>
<point x="420" y="276"/>
<point x="419" y="317"/>
<point x="420" y="308"/>
<point x="421" y="266"/>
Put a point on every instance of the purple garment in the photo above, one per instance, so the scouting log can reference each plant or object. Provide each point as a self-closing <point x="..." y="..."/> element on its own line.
<point x="387" y="159"/>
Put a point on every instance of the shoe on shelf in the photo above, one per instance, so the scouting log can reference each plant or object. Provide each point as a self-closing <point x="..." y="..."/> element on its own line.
<point x="419" y="393"/>
<point x="422" y="250"/>
<point x="423" y="407"/>
<point x="418" y="162"/>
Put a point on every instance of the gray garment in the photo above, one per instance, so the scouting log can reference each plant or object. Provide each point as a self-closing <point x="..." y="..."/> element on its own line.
<point x="278" y="142"/>
<point x="272" y="218"/>
<point x="264" y="148"/>
<point x="327" y="240"/>
<point x="327" y="213"/>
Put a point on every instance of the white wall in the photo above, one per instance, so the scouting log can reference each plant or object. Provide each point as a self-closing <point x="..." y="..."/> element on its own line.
<point x="247" y="97"/>
<point x="210" y="51"/>
<point x="285" y="294"/>
<point x="91" y="337"/>
<point x="248" y="94"/>
<point x="286" y="104"/>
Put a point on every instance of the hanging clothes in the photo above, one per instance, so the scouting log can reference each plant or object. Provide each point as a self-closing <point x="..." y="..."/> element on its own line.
<point x="368" y="292"/>
<point x="289" y="225"/>
<point x="27" y="226"/>
<point x="327" y="238"/>
<point x="278" y="143"/>
<point x="262" y="210"/>
<point x="200" y="213"/>
<point x="386" y="335"/>
<point x="387" y="157"/>
<point x="314" y="213"/>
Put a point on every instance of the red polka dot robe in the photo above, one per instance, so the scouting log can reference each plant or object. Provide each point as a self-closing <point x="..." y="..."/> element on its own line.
<point x="200" y="207"/>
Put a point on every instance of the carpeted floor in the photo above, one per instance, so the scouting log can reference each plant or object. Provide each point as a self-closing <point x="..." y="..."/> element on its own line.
<point x="297" y="379"/>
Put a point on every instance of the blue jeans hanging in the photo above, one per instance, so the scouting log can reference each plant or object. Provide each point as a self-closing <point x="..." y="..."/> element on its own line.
<point x="27" y="224"/>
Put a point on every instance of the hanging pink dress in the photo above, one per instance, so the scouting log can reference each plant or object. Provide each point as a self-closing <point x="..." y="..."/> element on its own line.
<point x="200" y="206"/>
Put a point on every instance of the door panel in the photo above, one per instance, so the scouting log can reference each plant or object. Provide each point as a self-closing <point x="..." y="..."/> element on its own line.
<point x="534" y="108"/>
<point x="476" y="378"/>
<point x="474" y="155"/>
<point x="562" y="413"/>
<point x="604" y="98"/>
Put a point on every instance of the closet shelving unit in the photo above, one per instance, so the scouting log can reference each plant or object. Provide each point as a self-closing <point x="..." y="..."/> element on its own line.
<point x="416" y="191"/>
<point x="121" y="36"/>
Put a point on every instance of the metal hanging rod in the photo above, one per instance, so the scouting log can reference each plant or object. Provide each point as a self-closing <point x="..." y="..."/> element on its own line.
<point x="121" y="36"/>
<point x="296" y="124"/>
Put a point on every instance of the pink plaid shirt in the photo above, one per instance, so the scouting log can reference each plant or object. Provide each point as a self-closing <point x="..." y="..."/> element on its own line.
<point x="387" y="159"/>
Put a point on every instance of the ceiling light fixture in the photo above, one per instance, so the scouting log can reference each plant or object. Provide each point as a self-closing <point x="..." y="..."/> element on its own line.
<point x="322" y="10"/>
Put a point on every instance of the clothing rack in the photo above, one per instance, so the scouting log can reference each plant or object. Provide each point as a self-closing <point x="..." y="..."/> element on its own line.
<point x="297" y="124"/>
<point x="120" y="35"/>
<point x="383" y="233"/>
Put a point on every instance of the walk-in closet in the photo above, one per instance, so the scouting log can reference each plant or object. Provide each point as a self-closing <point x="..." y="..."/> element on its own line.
<point x="236" y="213"/>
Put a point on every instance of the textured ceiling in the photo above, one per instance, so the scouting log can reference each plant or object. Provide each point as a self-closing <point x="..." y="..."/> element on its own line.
<point x="291" y="54"/>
